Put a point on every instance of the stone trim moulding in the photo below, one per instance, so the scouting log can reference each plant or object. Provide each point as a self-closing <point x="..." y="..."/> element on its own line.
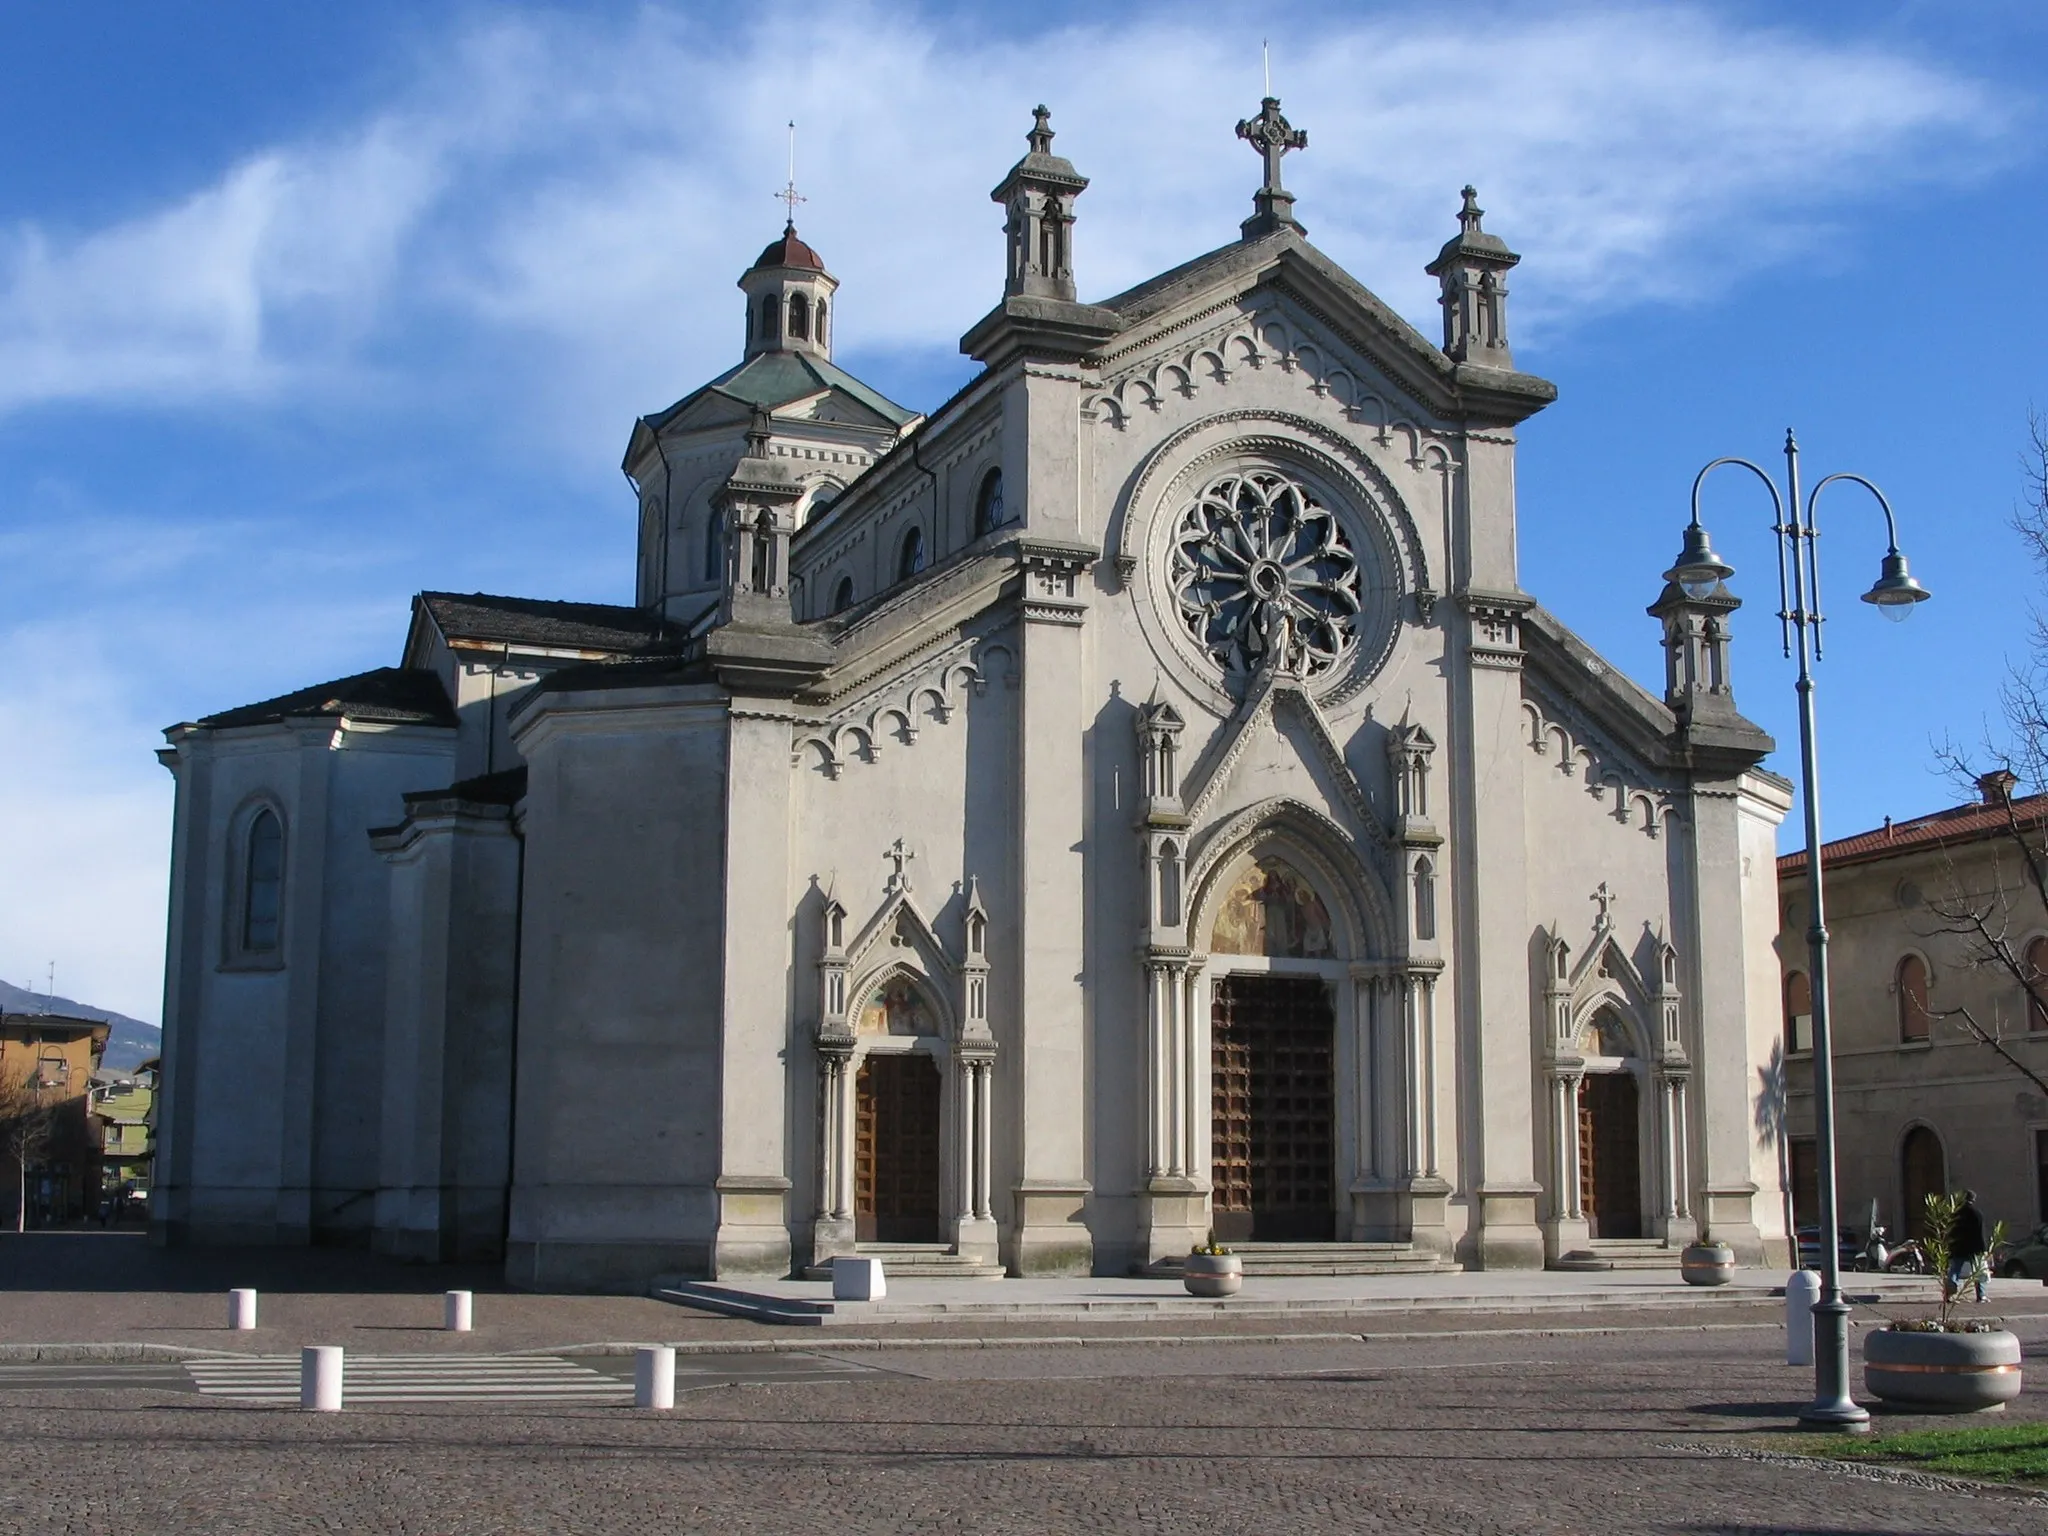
<point x="858" y="732"/>
<point x="1608" y="772"/>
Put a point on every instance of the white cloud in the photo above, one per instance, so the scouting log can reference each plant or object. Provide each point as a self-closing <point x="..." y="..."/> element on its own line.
<point x="562" y="208"/>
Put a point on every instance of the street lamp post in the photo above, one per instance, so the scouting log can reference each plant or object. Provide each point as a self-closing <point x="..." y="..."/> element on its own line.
<point x="1698" y="572"/>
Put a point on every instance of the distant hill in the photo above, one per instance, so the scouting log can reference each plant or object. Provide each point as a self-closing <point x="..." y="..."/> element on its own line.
<point x="131" y="1042"/>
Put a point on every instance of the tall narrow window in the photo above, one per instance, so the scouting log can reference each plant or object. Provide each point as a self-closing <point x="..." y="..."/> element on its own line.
<point x="799" y="318"/>
<point x="2036" y="963"/>
<point x="988" y="503"/>
<point x="1915" y="1022"/>
<point x="769" y="308"/>
<point x="764" y="553"/>
<point x="818" y="327"/>
<point x="714" y="545"/>
<point x="911" y="560"/>
<point x="1425" y="900"/>
<point x="1798" y="1014"/>
<point x="263" y="890"/>
<point x="842" y="595"/>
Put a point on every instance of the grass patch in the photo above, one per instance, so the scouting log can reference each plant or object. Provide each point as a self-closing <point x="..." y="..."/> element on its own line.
<point x="2006" y="1453"/>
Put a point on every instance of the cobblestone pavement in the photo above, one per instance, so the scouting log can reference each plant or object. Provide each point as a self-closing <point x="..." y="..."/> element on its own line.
<point x="1518" y="1433"/>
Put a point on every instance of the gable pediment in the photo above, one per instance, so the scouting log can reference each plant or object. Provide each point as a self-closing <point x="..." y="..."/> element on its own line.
<point x="1280" y="302"/>
<point x="1277" y="744"/>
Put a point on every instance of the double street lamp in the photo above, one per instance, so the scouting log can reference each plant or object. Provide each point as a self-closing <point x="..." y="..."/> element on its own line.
<point x="1698" y="572"/>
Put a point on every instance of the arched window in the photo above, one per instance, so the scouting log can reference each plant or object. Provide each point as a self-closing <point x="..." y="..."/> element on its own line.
<point x="2036" y="963"/>
<point x="1915" y="1022"/>
<point x="714" y="545"/>
<point x="750" y="320"/>
<point x="770" y="307"/>
<point x="1798" y="1014"/>
<point x="911" y="560"/>
<point x="842" y="595"/>
<point x="263" y="883"/>
<point x="988" y="503"/>
<point x="763" y="574"/>
<point x="799" y="318"/>
<point x="1923" y="1171"/>
<point x="819" y="328"/>
<point x="1425" y="900"/>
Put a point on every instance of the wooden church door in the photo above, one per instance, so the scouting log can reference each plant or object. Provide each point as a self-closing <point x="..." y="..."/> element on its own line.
<point x="1272" y="1110"/>
<point x="896" y="1150"/>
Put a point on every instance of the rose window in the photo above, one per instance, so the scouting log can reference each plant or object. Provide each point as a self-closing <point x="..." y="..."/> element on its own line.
<point x="1264" y="577"/>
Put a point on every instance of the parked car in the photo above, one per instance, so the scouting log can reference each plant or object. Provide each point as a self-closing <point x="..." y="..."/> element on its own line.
<point x="1848" y="1247"/>
<point x="2023" y="1258"/>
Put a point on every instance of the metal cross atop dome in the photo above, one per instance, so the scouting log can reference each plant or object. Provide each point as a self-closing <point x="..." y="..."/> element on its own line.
<point x="789" y="197"/>
<point x="1272" y="136"/>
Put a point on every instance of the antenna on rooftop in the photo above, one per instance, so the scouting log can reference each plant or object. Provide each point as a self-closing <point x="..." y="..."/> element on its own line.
<point x="789" y="196"/>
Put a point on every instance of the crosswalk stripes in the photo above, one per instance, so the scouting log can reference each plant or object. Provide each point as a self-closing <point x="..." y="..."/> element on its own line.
<point x="274" y="1379"/>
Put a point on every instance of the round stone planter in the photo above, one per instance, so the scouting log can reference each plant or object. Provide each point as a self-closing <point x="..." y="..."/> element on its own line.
<point x="1942" y="1372"/>
<point x="1707" y="1264"/>
<point x="1212" y="1274"/>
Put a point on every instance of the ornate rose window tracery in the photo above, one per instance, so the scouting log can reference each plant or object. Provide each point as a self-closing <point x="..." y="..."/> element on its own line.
<point x="1263" y="576"/>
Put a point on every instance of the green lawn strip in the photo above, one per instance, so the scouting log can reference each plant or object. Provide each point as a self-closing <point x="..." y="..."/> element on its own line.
<point x="2012" y="1453"/>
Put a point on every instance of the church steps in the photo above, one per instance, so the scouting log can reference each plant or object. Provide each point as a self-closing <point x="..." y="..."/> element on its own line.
<point x="916" y="1261"/>
<point x="1323" y="1259"/>
<point x="1617" y="1253"/>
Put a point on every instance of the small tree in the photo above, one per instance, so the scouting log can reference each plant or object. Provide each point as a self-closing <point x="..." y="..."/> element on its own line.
<point x="1943" y="1212"/>
<point x="28" y="1122"/>
<point x="1992" y="924"/>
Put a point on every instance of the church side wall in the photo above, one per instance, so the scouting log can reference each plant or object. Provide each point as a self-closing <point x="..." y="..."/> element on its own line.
<point x="617" y="1106"/>
<point x="272" y="1091"/>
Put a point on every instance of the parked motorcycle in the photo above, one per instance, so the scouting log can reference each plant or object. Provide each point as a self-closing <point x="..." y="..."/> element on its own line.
<point x="1879" y="1258"/>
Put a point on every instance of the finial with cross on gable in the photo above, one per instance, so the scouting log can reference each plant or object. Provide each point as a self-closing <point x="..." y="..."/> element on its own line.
<point x="1272" y="136"/>
<point x="900" y="857"/>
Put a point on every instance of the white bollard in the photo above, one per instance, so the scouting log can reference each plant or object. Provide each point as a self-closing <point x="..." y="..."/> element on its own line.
<point x="858" y="1279"/>
<point x="456" y="1311"/>
<point x="241" y="1309"/>
<point x="654" y="1376"/>
<point x="1802" y="1290"/>
<point x="320" y="1378"/>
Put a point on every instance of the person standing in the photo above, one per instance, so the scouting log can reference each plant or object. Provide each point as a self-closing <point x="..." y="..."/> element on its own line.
<point x="1966" y="1246"/>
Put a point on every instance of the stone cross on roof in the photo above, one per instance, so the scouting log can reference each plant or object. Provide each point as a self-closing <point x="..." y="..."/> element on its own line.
<point x="1272" y="136"/>
<point x="1606" y="899"/>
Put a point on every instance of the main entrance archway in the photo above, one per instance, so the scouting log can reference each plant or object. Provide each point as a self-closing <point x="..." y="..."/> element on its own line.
<point x="896" y="1149"/>
<point x="1610" y="1155"/>
<point x="1273" y="1111"/>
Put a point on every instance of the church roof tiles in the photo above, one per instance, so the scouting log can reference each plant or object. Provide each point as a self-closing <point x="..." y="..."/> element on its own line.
<point x="540" y="622"/>
<point x="1975" y="822"/>
<point x="772" y="379"/>
<point x="393" y="695"/>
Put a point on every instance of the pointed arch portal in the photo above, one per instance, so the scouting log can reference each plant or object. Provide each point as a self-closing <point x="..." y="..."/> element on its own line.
<point x="1273" y="1109"/>
<point x="896" y="1149"/>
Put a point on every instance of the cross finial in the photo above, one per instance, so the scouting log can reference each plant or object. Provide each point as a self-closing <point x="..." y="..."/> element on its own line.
<point x="900" y="856"/>
<point x="1470" y="214"/>
<point x="1040" y="137"/>
<point x="789" y="197"/>
<point x="1272" y="136"/>
<point x="1606" y="899"/>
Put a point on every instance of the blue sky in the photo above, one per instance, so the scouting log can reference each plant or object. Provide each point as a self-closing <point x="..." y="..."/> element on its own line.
<point x="303" y="309"/>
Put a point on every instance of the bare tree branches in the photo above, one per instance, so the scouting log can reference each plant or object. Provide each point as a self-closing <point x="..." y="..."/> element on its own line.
<point x="28" y="1122"/>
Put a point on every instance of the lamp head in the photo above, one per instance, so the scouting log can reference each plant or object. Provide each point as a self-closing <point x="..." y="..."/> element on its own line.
<point x="1698" y="570"/>
<point x="1896" y="591"/>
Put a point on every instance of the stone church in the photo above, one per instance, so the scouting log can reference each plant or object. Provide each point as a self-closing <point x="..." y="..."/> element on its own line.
<point x="1134" y="801"/>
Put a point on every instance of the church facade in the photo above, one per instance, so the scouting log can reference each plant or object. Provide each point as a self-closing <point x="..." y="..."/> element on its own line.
<point x="1132" y="802"/>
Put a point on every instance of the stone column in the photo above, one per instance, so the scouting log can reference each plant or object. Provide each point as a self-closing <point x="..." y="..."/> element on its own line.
<point x="1051" y="1236"/>
<point x="1175" y="1208"/>
<point x="974" y="1228"/>
<point x="832" y="1229"/>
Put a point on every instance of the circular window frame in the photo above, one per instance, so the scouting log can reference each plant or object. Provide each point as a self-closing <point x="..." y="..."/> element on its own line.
<point x="1371" y="516"/>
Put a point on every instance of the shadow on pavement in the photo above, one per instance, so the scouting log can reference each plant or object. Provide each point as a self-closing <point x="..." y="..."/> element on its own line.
<point x="126" y="1261"/>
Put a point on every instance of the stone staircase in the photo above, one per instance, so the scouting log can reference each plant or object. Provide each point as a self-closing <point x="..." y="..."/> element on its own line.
<point x="1617" y="1253"/>
<point x="917" y="1261"/>
<point x="1323" y="1259"/>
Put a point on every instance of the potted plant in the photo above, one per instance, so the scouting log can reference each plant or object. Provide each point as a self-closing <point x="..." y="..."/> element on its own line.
<point x="1709" y="1261"/>
<point x="1212" y="1270"/>
<point x="1946" y="1363"/>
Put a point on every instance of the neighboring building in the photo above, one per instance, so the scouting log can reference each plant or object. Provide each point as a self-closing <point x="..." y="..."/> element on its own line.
<point x="1136" y="801"/>
<point x="57" y="1056"/>
<point x="1921" y="1104"/>
<point x="120" y="1107"/>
